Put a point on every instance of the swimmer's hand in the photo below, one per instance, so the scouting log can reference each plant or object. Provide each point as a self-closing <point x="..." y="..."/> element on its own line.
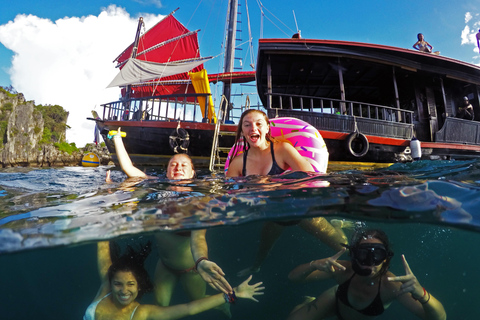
<point x="330" y="264"/>
<point x="214" y="276"/>
<point x="247" y="291"/>
<point x="409" y="282"/>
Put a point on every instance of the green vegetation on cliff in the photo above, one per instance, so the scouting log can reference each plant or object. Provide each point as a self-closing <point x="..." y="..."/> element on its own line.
<point x="55" y="123"/>
<point x="54" y="118"/>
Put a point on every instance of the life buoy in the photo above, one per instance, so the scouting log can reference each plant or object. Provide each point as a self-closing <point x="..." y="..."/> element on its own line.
<point x="179" y="140"/>
<point x="303" y="136"/>
<point x="357" y="144"/>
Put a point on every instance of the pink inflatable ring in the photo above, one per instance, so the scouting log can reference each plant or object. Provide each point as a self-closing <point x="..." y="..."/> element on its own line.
<point x="300" y="134"/>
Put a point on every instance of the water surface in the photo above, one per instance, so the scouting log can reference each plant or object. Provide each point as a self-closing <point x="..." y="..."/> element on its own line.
<point x="50" y="220"/>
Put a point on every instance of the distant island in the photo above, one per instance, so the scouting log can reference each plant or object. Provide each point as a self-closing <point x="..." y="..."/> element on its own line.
<point x="35" y="135"/>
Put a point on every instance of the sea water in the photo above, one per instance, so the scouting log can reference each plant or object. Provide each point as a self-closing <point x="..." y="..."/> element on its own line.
<point x="51" y="219"/>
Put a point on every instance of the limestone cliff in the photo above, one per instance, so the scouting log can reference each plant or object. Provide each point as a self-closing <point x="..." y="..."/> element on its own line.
<point x="26" y="141"/>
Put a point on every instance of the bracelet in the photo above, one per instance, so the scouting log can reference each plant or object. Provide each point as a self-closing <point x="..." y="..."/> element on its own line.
<point x="198" y="262"/>
<point x="230" y="298"/>
<point x="424" y="294"/>
<point x="427" y="299"/>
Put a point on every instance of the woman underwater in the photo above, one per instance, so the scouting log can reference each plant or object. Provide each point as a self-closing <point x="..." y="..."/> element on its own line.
<point x="268" y="156"/>
<point x="366" y="287"/>
<point x="182" y="253"/>
<point x="126" y="280"/>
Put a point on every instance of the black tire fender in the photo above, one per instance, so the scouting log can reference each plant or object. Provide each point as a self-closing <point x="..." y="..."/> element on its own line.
<point x="354" y="141"/>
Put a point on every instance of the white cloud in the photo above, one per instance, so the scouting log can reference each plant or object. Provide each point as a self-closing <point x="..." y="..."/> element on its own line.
<point x="69" y="62"/>
<point x="469" y="33"/>
<point x="468" y="17"/>
<point x="466" y="35"/>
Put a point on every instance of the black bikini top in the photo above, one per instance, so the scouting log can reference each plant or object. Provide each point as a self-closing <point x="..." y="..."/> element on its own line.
<point x="275" y="169"/>
<point x="374" y="309"/>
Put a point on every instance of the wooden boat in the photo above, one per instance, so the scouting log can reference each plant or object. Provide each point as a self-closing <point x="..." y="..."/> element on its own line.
<point x="166" y="105"/>
<point x="370" y="101"/>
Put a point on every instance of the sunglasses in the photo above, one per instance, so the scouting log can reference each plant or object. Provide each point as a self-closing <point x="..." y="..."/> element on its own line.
<point x="370" y="254"/>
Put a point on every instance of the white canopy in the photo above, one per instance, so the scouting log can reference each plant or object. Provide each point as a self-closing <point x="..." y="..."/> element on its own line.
<point x="136" y="71"/>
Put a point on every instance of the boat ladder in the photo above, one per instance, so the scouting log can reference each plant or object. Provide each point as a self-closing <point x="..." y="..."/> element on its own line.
<point x="216" y="160"/>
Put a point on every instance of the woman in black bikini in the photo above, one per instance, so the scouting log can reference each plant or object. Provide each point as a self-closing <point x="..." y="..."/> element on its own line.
<point x="265" y="155"/>
<point x="366" y="287"/>
<point x="268" y="156"/>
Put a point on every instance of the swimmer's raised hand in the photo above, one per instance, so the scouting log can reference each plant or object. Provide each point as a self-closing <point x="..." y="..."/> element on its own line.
<point x="409" y="282"/>
<point x="329" y="264"/>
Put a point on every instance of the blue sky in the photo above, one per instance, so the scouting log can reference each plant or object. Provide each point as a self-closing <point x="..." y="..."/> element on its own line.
<point x="61" y="52"/>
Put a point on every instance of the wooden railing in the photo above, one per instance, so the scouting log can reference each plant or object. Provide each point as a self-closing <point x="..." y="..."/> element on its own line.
<point x="340" y="107"/>
<point x="184" y="107"/>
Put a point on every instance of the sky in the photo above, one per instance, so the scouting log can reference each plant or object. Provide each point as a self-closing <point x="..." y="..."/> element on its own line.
<point x="62" y="52"/>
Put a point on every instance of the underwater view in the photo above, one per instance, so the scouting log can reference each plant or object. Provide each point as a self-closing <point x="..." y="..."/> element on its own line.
<point x="52" y="219"/>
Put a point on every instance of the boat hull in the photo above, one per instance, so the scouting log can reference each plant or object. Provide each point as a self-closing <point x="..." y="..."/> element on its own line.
<point x="149" y="142"/>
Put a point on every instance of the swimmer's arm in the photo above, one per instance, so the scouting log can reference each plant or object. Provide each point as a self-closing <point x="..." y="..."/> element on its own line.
<point x="432" y="310"/>
<point x="244" y="291"/>
<point x="210" y="272"/>
<point x="103" y="263"/>
<point x="198" y="244"/>
<point x="153" y="312"/>
<point x="415" y="46"/>
<point x="124" y="160"/>
<point x="406" y="287"/>
<point x="292" y="158"/>
<point x="103" y="258"/>
<point x="235" y="167"/>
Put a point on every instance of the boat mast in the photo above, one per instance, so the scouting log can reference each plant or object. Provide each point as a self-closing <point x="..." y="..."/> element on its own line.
<point x="230" y="51"/>
<point x="134" y="53"/>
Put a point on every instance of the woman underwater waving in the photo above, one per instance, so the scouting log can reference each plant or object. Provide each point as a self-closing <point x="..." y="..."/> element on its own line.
<point x="126" y="280"/>
<point x="366" y="287"/>
<point x="268" y="156"/>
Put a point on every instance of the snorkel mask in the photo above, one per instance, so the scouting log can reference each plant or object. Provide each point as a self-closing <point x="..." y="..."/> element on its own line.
<point x="368" y="254"/>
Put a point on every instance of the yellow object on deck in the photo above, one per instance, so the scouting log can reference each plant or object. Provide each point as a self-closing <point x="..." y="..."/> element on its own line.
<point x="114" y="133"/>
<point x="202" y="85"/>
<point x="90" y="160"/>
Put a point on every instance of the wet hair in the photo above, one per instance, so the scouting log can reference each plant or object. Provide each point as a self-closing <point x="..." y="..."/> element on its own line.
<point x="131" y="261"/>
<point x="191" y="162"/>
<point x="238" y="135"/>
<point x="360" y="235"/>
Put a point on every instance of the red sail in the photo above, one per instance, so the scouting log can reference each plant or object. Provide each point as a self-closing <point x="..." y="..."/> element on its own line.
<point x="174" y="47"/>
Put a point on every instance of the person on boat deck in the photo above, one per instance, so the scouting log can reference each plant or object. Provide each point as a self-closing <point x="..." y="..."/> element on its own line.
<point x="466" y="111"/>
<point x="126" y="280"/>
<point x="422" y="45"/>
<point x="365" y="286"/>
<point x="268" y="156"/>
<point x="183" y="255"/>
